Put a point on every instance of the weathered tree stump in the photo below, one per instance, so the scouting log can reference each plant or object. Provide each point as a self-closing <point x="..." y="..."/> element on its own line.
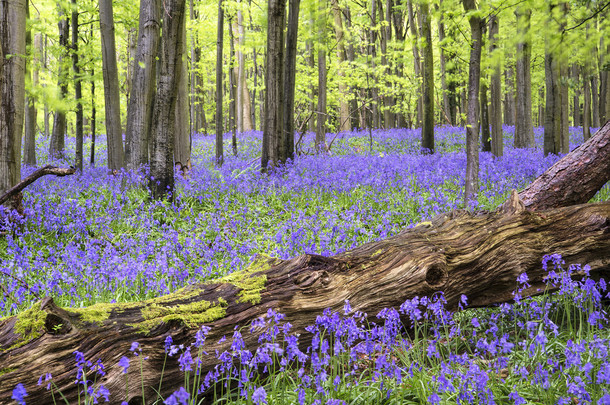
<point x="479" y="255"/>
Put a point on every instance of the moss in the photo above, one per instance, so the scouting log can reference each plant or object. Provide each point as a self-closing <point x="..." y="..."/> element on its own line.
<point x="250" y="285"/>
<point x="191" y="315"/>
<point x="100" y="312"/>
<point x="6" y="371"/>
<point x="30" y="323"/>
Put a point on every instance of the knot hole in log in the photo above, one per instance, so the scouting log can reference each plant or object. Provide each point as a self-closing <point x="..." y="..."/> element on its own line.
<point x="55" y="325"/>
<point x="436" y="276"/>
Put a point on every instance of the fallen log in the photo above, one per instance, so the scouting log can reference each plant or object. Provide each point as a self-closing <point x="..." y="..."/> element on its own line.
<point x="479" y="255"/>
<point x="575" y="178"/>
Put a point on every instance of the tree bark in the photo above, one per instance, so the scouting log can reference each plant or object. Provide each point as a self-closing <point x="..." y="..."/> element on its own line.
<point x="219" y="66"/>
<point x="78" y="92"/>
<point x="497" y="138"/>
<point x="114" y="134"/>
<point x="416" y="62"/>
<point x="472" y="126"/>
<point x="182" y="133"/>
<point x="509" y="96"/>
<point x="484" y="118"/>
<point x="273" y="141"/>
<point x="344" y="113"/>
<point x="161" y="182"/>
<point x="575" y="178"/>
<point x="31" y="79"/>
<point x="12" y="89"/>
<point x="321" y="110"/>
<point x="576" y="100"/>
<point x="141" y="98"/>
<point x="290" y="79"/>
<point x="58" y="141"/>
<point x="422" y="261"/>
<point x="427" y="137"/>
<point x="524" y="127"/>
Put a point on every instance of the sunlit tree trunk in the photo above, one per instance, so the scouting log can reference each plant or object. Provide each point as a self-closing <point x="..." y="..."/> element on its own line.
<point x="141" y="98"/>
<point x="111" y="88"/>
<point x="57" y="143"/>
<point x="78" y="92"/>
<point x="182" y="134"/>
<point x="12" y="89"/>
<point x="441" y="38"/>
<point x="524" y="127"/>
<point x="290" y="60"/>
<point x="509" y="95"/>
<point x="31" y="79"/>
<point x="321" y="110"/>
<point x="495" y="116"/>
<point x="472" y="125"/>
<point x="576" y="97"/>
<point x="219" y="67"/>
<point x="416" y="62"/>
<point x="344" y="118"/>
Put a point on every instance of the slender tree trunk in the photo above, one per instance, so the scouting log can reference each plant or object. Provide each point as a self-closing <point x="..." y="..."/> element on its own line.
<point x="497" y="138"/>
<point x="57" y="143"/>
<point x="606" y="90"/>
<point x="509" y="96"/>
<point x="595" y="101"/>
<point x="372" y="82"/>
<point x="46" y="114"/>
<point x="77" y="89"/>
<point x="195" y="103"/>
<point x="111" y="88"/>
<point x="484" y="117"/>
<point x="576" y="98"/>
<point x="161" y="183"/>
<point x="441" y="38"/>
<point x="427" y="141"/>
<point x="564" y="107"/>
<point x="233" y="113"/>
<point x="12" y="90"/>
<point x="244" y="122"/>
<point x="416" y="61"/>
<point x="141" y="99"/>
<point x="273" y="141"/>
<point x="472" y="126"/>
<point x="219" y="105"/>
<point x="93" y="120"/>
<point x="350" y="54"/>
<point x="524" y="127"/>
<point x="182" y="134"/>
<point x="344" y="113"/>
<point x="321" y="111"/>
<point x="290" y="79"/>
<point x="31" y="80"/>
<point x="586" y="114"/>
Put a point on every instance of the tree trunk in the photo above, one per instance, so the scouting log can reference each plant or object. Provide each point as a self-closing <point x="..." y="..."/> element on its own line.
<point x="586" y="114"/>
<point x="441" y="38"/>
<point x="31" y="79"/>
<point x="233" y="113"/>
<point x="497" y="138"/>
<point x="595" y="101"/>
<point x="141" y="98"/>
<point x="58" y="141"/>
<point x="421" y="261"/>
<point x="524" y="127"/>
<point x="93" y="120"/>
<point x="427" y="133"/>
<point x="273" y="141"/>
<point x="161" y="182"/>
<point x="416" y="62"/>
<point x="219" y="66"/>
<point x="182" y="133"/>
<point x="78" y="92"/>
<point x="484" y="118"/>
<point x="575" y="178"/>
<point x="12" y="90"/>
<point x="290" y="80"/>
<point x="111" y="88"/>
<point x="576" y="100"/>
<point x="344" y="113"/>
<point x="509" y="96"/>
<point x="472" y="126"/>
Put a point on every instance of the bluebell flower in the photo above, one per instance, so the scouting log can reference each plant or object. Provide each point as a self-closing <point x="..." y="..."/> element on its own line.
<point x="259" y="396"/>
<point x="19" y="394"/>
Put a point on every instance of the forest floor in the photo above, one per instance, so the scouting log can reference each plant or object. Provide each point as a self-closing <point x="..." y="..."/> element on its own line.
<point x="92" y="238"/>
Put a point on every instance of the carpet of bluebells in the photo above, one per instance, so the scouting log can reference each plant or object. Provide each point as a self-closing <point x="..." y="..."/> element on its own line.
<point x="93" y="238"/>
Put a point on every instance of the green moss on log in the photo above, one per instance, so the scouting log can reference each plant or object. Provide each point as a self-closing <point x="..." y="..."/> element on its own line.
<point x="100" y="312"/>
<point x="251" y="286"/>
<point x="6" y="371"/>
<point x="29" y="325"/>
<point x="191" y="315"/>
